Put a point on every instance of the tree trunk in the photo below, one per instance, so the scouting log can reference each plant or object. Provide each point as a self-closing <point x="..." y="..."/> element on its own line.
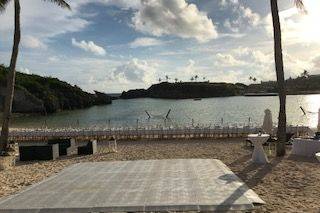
<point x="282" y="119"/>
<point x="11" y="75"/>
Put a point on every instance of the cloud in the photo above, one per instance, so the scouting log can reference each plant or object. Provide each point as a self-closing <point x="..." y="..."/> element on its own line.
<point x="136" y="71"/>
<point x="174" y="17"/>
<point x="89" y="46"/>
<point x="32" y="42"/>
<point x="240" y="18"/>
<point x="123" y="4"/>
<point x="43" y="20"/>
<point x="228" y="60"/>
<point x="297" y="27"/>
<point x="24" y="70"/>
<point x="145" y="42"/>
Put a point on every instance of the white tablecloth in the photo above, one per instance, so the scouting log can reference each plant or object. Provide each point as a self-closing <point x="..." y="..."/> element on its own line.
<point x="258" y="155"/>
<point x="305" y="147"/>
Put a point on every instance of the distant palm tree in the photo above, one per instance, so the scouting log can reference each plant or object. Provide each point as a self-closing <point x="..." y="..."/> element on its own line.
<point x="191" y="79"/>
<point x="250" y="78"/>
<point x="176" y="80"/>
<point x="305" y="74"/>
<point x="159" y="80"/>
<point x="282" y="119"/>
<point x="11" y="75"/>
<point x="196" y="77"/>
<point x="254" y="79"/>
<point x="204" y="78"/>
<point x="167" y="78"/>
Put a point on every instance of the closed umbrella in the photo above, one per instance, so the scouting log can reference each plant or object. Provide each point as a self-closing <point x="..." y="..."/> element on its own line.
<point x="267" y="122"/>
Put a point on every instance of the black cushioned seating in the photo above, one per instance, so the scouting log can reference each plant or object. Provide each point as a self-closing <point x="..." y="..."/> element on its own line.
<point x="66" y="146"/>
<point x="39" y="152"/>
<point x="88" y="149"/>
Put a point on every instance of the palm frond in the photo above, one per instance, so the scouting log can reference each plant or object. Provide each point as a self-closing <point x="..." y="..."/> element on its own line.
<point x="60" y="3"/>
<point x="3" y="4"/>
<point x="300" y="5"/>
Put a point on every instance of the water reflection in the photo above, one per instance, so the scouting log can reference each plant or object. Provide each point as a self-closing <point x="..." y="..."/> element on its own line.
<point x="231" y="110"/>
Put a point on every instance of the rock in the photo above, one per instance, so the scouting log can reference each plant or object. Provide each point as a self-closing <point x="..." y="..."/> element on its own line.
<point x="102" y="98"/>
<point x="23" y="102"/>
<point x="137" y="93"/>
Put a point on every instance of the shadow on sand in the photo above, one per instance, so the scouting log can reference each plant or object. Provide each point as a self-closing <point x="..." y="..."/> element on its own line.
<point x="261" y="170"/>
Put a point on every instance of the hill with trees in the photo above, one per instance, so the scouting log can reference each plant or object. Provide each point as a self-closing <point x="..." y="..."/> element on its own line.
<point x="304" y="84"/>
<point x="184" y="90"/>
<point x="36" y="94"/>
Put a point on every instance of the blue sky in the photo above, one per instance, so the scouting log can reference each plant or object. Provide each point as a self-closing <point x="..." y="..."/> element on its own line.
<point x="116" y="45"/>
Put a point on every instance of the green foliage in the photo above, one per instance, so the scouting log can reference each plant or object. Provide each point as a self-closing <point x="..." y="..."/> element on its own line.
<point x="55" y="94"/>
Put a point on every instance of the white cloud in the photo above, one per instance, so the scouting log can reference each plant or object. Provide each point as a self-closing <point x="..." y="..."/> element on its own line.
<point x="228" y="60"/>
<point x="190" y="69"/>
<point x="241" y="17"/>
<point x="123" y="4"/>
<point x="136" y="71"/>
<point x="24" y="70"/>
<point x="145" y="42"/>
<point x="89" y="46"/>
<point x="42" y="19"/>
<point x="174" y="17"/>
<point x="54" y="59"/>
<point x="298" y="27"/>
<point x="32" y="42"/>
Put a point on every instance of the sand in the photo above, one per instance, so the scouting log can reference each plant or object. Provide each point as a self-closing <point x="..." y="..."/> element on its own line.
<point x="288" y="184"/>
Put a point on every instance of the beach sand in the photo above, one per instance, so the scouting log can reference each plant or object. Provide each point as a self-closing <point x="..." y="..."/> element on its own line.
<point x="289" y="184"/>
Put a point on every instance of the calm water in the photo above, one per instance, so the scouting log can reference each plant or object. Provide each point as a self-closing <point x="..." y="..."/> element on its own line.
<point x="233" y="110"/>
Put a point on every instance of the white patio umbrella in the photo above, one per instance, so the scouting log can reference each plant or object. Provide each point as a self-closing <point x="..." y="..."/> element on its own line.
<point x="267" y="122"/>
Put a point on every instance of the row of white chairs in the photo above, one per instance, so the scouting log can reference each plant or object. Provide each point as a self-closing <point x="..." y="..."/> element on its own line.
<point x="216" y="131"/>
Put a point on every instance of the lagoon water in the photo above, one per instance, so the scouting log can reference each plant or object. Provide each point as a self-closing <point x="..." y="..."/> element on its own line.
<point x="230" y="110"/>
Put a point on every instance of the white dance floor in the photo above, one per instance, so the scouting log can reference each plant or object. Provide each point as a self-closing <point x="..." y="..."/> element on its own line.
<point x="137" y="186"/>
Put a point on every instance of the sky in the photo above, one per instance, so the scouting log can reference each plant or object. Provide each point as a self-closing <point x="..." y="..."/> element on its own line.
<point x="117" y="45"/>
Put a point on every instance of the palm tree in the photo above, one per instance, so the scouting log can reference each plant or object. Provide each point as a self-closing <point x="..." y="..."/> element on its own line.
<point x="159" y="80"/>
<point x="282" y="119"/>
<point x="176" y="80"/>
<point x="11" y="75"/>
<point x="196" y="77"/>
<point x="167" y="78"/>
<point x="191" y="79"/>
<point x="305" y="74"/>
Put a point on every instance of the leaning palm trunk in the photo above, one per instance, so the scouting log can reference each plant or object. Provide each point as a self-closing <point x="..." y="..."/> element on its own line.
<point x="282" y="122"/>
<point x="10" y="80"/>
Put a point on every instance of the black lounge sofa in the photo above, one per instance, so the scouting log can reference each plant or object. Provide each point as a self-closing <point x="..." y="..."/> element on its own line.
<point x="89" y="148"/>
<point x="67" y="146"/>
<point x="35" y="151"/>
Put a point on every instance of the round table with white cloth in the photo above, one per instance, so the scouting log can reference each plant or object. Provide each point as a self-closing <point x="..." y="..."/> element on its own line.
<point x="305" y="147"/>
<point x="258" y="155"/>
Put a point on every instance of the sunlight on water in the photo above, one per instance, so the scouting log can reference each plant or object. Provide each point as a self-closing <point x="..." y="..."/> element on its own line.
<point x="211" y="111"/>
